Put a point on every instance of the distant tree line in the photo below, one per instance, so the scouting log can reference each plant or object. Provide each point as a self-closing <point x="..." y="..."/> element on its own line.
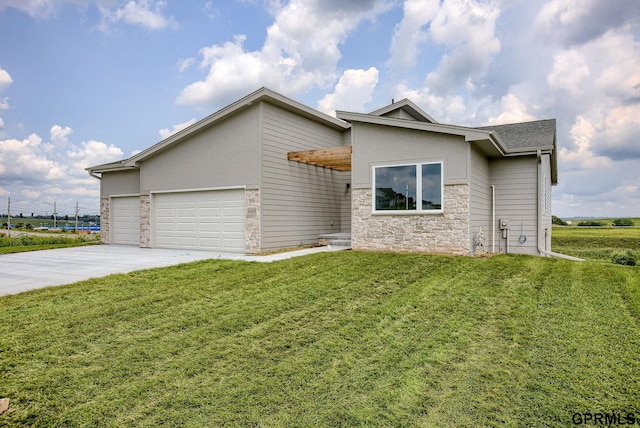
<point x="618" y="222"/>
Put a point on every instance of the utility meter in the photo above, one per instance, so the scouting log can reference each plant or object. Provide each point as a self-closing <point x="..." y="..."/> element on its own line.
<point x="504" y="227"/>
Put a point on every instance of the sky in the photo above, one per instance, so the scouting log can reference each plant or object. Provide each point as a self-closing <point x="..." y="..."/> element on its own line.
<point x="86" y="82"/>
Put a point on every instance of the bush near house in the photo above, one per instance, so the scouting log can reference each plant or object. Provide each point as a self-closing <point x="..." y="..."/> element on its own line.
<point x="558" y="221"/>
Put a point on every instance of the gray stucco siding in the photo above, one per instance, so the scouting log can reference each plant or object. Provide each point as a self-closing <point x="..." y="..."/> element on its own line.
<point x="224" y="155"/>
<point x="299" y="201"/>
<point x="516" y="190"/>
<point x="120" y="183"/>
<point x="384" y="145"/>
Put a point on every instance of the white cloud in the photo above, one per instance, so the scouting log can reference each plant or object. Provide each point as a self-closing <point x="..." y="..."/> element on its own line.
<point x="513" y="110"/>
<point x="573" y="22"/>
<point x="146" y="13"/>
<point x="166" y="133"/>
<point x="60" y="136"/>
<point x="301" y="51"/>
<point x="5" y="82"/>
<point x="353" y="91"/>
<point x="184" y="63"/>
<point x="40" y="9"/>
<point x="411" y="34"/>
<point x="464" y="29"/>
<point x="32" y="172"/>
<point x="582" y="156"/>
<point x="569" y="72"/>
<point x="5" y="79"/>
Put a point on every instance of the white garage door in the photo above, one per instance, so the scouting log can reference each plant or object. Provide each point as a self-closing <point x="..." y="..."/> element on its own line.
<point x="212" y="220"/>
<point x="125" y="220"/>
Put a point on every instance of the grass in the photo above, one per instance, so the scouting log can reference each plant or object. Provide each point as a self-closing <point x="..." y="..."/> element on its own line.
<point x="18" y="243"/>
<point x="333" y="339"/>
<point x="597" y="244"/>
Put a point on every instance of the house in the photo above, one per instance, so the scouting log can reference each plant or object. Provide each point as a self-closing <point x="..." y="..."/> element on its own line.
<point x="267" y="172"/>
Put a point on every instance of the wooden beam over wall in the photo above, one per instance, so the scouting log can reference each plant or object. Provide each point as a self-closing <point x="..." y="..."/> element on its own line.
<point x="338" y="158"/>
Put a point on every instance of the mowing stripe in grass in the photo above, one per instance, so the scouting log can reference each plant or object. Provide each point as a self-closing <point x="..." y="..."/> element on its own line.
<point x="326" y="340"/>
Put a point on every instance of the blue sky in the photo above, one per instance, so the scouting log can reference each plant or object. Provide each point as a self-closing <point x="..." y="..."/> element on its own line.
<point x="88" y="82"/>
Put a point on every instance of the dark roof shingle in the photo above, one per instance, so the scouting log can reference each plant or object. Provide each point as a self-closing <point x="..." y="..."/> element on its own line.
<point x="539" y="134"/>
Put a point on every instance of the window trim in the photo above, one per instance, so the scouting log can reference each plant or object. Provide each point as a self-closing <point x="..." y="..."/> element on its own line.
<point x="419" y="210"/>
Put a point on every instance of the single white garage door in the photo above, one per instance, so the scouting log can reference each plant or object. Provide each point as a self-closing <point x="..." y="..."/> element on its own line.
<point x="211" y="220"/>
<point x="124" y="221"/>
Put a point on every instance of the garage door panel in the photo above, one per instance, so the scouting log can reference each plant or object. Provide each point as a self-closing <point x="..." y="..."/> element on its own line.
<point x="234" y="227"/>
<point x="208" y="212"/>
<point x="211" y="220"/>
<point x="125" y="220"/>
<point x="209" y="228"/>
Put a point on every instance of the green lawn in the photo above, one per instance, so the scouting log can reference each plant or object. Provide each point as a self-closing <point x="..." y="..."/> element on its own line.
<point x="333" y="339"/>
<point x="19" y="242"/>
<point x="596" y="244"/>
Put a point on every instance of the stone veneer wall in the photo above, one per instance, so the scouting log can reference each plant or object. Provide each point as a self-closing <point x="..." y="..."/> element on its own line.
<point x="145" y="221"/>
<point x="433" y="233"/>
<point x="252" y="221"/>
<point x="104" y="220"/>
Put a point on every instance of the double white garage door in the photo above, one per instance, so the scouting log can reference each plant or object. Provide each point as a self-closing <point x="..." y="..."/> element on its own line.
<point x="208" y="220"/>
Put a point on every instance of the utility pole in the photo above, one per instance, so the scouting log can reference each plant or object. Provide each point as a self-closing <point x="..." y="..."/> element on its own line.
<point x="55" y="214"/>
<point x="9" y="218"/>
<point x="76" y="217"/>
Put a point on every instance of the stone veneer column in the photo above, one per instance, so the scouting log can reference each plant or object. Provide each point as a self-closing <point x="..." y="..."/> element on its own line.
<point x="104" y="220"/>
<point x="252" y="221"/>
<point x="433" y="233"/>
<point x="145" y="221"/>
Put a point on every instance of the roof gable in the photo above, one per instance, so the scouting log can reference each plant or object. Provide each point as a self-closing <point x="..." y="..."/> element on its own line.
<point x="404" y="109"/>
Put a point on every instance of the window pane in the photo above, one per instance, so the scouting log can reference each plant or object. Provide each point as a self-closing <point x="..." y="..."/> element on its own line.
<point x="396" y="188"/>
<point x="432" y="186"/>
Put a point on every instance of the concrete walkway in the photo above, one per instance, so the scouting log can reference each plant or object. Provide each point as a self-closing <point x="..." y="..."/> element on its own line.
<point x="36" y="269"/>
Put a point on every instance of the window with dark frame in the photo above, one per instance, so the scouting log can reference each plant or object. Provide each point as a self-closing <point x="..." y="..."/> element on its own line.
<point x="396" y="188"/>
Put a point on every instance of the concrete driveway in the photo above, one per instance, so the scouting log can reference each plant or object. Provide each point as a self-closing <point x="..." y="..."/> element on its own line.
<point x="36" y="269"/>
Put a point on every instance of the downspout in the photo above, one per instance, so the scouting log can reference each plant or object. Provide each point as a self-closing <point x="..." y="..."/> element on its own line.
<point x="94" y="175"/>
<point x="541" y="249"/>
<point x="493" y="218"/>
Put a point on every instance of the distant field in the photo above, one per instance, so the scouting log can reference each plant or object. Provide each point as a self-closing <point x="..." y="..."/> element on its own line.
<point x="635" y="220"/>
<point x="597" y="244"/>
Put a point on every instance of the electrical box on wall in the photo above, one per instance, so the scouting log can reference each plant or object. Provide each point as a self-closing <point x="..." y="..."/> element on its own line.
<point x="504" y="224"/>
